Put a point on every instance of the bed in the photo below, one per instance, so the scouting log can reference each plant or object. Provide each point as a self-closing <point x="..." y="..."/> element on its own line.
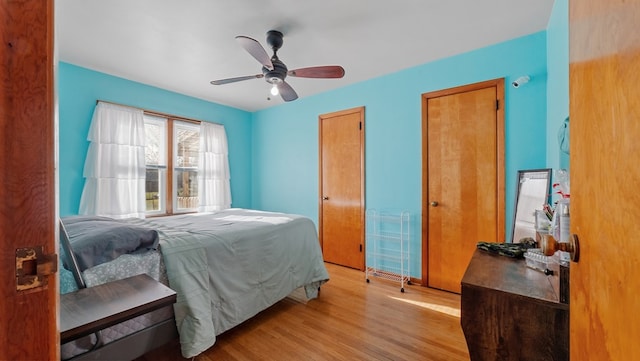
<point x="225" y="266"/>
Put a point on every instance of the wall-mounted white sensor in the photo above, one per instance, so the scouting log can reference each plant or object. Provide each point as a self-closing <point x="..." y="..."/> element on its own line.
<point x="520" y="81"/>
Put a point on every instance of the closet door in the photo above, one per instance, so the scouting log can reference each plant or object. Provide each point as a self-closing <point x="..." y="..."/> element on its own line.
<point x="342" y="187"/>
<point x="463" y="180"/>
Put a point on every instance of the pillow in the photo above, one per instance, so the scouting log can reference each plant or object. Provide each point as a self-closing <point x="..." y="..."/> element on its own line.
<point x="97" y="240"/>
<point x="67" y="282"/>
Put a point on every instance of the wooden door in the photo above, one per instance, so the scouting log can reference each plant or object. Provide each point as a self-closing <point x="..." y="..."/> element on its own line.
<point x="463" y="178"/>
<point x="28" y="319"/>
<point x="342" y="187"/>
<point x="604" y="84"/>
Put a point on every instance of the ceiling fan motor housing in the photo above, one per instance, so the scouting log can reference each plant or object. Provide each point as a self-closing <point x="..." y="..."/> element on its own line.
<point x="278" y="73"/>
<point x="274" y="39"/>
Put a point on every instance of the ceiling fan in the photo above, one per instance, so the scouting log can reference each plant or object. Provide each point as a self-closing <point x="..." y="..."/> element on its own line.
<point x="275" y="71"/>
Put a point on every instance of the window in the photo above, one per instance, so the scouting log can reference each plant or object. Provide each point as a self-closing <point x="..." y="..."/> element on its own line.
<point x="155" y="156"/>
<point x="172" y="157"/>
<point x="186" y="147"/>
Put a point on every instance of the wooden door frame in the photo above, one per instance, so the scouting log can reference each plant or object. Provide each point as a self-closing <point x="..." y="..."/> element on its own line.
<point x="500" y="161"/>
<point x="321" y="117"/>
<point x="28" y="182"/>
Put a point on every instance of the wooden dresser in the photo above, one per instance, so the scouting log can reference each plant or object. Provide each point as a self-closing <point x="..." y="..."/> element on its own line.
<point x="511" y="312"/>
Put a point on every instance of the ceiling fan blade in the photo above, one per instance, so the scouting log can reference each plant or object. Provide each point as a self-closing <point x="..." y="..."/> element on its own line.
<point x="287" y="92"/>
<point x="329" y="71"/>
<point x="233" y="80"/>
<point x="256" y="50"/>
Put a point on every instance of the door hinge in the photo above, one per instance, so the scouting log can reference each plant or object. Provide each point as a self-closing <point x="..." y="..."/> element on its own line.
<point x="360" y="125"/>
<point x="360" y="248"/>
<point x="33" y="267"/>
<point x="497" y="104"/>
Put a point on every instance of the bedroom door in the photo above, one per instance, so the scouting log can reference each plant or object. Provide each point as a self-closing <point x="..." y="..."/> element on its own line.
<point x="342" y="187"/>
<point x="604" y="104"/>
<point x="28" y="317"/>
<point x="463" y="178"/>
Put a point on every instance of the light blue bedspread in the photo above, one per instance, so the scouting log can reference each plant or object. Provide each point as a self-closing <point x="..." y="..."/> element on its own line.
<point x="229" y="265"/>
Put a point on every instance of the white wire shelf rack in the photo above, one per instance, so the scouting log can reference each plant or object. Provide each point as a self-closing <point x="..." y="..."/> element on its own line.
<point x="387" y="239"/>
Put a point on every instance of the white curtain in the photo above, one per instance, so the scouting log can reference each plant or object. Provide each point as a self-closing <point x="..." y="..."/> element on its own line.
<point x="214" y="188"/>
<point x="115" y="165"/>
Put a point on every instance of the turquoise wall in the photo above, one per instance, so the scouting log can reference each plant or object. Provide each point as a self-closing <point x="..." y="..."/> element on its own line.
<point x="285" y="137"/>
<point x="78" y="90"/>
<point x="274" y="152"/>
<point x="558" y="87"/>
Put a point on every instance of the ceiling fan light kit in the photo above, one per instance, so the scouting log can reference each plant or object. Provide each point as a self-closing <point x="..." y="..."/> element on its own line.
<point x="274" y="90"/>
<point x="275" y="71"/>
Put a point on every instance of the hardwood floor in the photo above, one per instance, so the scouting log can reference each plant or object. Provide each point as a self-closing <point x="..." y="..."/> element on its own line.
<point x="351" y="320"/>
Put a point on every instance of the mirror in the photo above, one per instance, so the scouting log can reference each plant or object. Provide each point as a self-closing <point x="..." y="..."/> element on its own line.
<point x="532" y="193"/>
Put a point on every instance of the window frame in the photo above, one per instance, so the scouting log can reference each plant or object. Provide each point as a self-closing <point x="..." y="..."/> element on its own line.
<point x="178" y="123"/>
<point x="170" y="194"/>
<point x="163" y="169"/>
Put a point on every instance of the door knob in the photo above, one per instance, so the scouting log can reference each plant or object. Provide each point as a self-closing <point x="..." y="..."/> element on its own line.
<point x="549" y="246"/>
<point x="434" y="203"/>
<point x="325" y="198"/>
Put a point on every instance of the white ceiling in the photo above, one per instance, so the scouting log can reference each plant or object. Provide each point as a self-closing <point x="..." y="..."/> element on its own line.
<point x="181" y="45"/>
